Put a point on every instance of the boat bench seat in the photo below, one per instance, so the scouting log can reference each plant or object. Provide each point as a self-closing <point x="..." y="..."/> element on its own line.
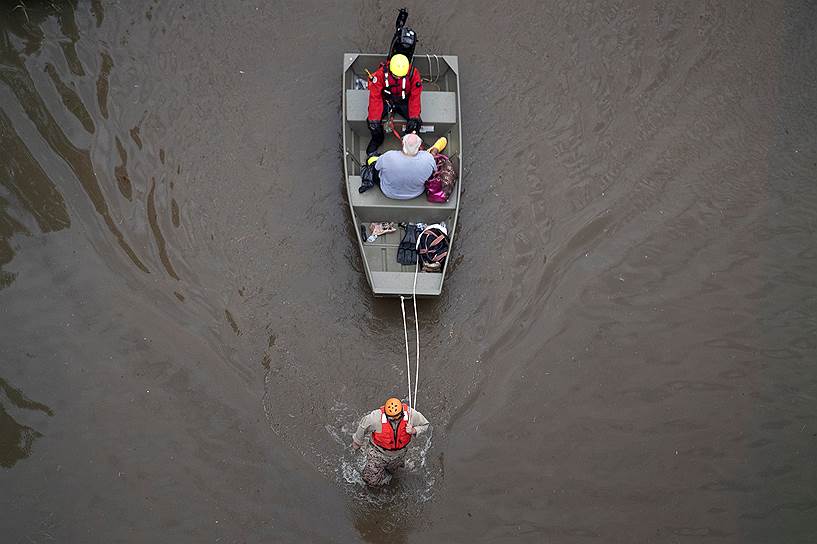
<point x="402" y="283"/>
<point x="439" y="111"/>
<point x="373" y="205"/>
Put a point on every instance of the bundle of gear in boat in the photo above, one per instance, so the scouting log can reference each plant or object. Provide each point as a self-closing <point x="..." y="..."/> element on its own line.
<point x="395" y="88"/>
<point x="428" y="242"/>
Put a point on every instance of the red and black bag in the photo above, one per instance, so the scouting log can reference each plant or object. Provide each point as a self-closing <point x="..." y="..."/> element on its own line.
<point x="432" y="247"/>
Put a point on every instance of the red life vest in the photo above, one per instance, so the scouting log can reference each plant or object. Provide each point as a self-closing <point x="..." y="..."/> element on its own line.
<point x="385" y="86"/>
<point x="395" y="88"/>
<point x="388" y="438"/>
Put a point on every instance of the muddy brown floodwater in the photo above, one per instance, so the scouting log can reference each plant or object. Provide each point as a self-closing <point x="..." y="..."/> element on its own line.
<point x="625" y="348"/>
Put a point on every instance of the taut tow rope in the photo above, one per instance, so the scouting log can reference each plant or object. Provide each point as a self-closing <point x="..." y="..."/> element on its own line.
<point x="412" y="398"/>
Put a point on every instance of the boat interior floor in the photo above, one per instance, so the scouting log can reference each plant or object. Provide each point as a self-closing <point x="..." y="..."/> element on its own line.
<point x="382" y="253"/>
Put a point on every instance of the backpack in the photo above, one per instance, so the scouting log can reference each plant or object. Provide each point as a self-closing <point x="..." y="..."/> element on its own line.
<point x="432" y="247"/>
<point x="440" y="185"/>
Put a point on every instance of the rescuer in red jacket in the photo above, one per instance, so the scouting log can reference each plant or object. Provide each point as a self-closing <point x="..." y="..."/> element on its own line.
<point x="390" y="428"/>
<point x="396" y="86"/>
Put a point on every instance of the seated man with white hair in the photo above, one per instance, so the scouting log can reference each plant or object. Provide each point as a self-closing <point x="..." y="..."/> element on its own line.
<point x="403" y="174"/>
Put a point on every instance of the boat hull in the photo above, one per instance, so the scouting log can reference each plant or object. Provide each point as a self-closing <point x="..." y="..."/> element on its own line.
<point x="441" y="117"/>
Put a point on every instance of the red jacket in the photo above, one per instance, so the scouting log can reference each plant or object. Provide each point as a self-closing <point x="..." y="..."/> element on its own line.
<point x="388" y="438"/>
<point x="384" y="84"/>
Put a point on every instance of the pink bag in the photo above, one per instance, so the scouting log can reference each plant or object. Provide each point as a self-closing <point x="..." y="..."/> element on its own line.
<point x="440" y="185"/>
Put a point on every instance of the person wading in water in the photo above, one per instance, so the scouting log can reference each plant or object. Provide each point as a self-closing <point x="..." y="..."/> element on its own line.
<point x="391" y="428"/>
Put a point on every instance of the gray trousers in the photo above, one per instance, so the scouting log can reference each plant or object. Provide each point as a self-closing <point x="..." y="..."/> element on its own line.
<point x="379" y="467"/>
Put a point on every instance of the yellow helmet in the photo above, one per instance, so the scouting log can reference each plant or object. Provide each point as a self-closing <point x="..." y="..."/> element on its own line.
<point x="399" y="65"/>
<point x="393" y="407"/>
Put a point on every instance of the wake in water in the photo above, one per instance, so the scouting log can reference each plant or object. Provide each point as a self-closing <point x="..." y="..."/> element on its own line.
<point x="290" y="394"/>
<point x="414" y="482"/>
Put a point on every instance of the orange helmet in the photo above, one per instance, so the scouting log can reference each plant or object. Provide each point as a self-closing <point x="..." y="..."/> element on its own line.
<point x="393" y="407"/>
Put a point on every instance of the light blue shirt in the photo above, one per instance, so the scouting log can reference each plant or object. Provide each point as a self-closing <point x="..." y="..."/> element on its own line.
<point x="403" y="177"/>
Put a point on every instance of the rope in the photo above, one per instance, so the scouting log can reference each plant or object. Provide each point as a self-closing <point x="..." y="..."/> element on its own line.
<point x="391" y="124"/>
<point x="416" y="335"/>
<point x="397" y="135"/>
<point x="432" y="79"/>
<point x="408" y="363"/>
<point x="412" y="398"/>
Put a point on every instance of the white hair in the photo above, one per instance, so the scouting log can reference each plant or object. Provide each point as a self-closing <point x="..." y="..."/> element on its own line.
<point x="411" y="144"/>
